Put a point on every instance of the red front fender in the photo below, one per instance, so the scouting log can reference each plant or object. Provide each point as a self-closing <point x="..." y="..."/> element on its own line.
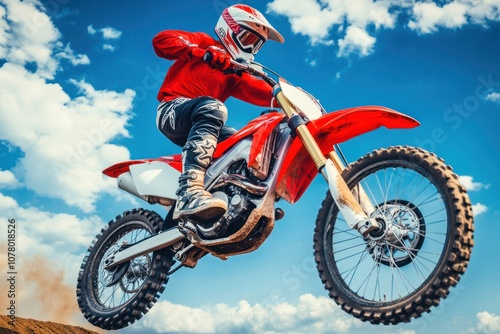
<point x="298" y="169"/>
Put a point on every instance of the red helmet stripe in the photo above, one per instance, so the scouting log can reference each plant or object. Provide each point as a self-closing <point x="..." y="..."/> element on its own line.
<point x="235" y="27"/>
<point x="248" y="9"/>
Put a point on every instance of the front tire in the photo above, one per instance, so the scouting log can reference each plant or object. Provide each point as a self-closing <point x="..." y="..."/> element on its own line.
<point x="422" y="249"/>
<point x="113" y="301"/>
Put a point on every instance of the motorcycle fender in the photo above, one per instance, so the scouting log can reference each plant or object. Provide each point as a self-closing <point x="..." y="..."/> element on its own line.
<point x="298" y="169"/>
<point x="148" y="177"/>
<point x="155" y="178"/>
<point x="118" y="169"/>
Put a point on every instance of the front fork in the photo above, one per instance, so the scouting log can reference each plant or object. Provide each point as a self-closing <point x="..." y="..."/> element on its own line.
<point x="353" y="210"/>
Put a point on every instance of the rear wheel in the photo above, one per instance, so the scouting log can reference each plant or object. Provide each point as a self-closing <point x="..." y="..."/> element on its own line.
<point x="421" y="249"/>
<point x="113" y="299"/>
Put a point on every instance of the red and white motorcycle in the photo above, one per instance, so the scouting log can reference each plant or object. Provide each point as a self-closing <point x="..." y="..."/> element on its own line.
<point x="393" y="234"/>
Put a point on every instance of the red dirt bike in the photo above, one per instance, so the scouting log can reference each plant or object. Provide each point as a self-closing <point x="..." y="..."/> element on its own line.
<point x="393" y="234"/>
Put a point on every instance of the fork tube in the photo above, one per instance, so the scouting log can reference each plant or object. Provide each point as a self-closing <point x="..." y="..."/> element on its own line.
<point x="348" y="205"/>
<point x="358" y="191"/>
<point x="303" y="133"/>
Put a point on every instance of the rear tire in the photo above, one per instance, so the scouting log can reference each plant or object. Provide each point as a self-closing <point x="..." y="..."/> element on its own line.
<point x="140" y="285"/>
<point x="403" y="270"/>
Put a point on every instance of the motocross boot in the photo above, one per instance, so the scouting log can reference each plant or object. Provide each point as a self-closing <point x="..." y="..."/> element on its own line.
<point x="192" y="198"/>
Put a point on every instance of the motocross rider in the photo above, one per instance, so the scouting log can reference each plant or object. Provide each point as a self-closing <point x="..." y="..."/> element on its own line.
<point x="191" y="112"/>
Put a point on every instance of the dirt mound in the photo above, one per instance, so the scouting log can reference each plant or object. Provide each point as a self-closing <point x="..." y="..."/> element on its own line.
<point x="30" y="326"/>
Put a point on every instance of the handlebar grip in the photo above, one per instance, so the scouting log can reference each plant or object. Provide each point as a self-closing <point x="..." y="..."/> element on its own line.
<point x="207" y="57"/>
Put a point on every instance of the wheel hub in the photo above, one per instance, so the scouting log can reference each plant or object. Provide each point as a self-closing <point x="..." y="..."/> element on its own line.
<point x="136" y="273"/>
<point x="400" y="234"/>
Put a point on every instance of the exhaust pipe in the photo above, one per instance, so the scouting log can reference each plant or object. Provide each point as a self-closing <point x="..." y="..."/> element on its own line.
<point x="242" y="182"/>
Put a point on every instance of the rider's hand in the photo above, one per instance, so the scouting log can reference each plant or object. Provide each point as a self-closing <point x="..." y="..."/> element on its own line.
<point x="196" y="52"/>
<point x="219" y="58"/>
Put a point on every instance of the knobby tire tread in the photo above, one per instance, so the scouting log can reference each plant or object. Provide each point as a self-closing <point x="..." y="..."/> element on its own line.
<point x="150" y="292"/>
<point x="449" y="271"/>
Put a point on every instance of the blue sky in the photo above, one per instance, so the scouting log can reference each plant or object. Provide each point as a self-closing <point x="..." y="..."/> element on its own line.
<point x="78" y="83"/>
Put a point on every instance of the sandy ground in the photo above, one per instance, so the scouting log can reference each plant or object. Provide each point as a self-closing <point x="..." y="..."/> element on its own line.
<point x="31" y="326"/>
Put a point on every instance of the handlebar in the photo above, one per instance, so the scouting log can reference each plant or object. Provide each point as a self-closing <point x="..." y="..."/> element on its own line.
<point x="245" y="67"/>
<point x="256" y="69"/>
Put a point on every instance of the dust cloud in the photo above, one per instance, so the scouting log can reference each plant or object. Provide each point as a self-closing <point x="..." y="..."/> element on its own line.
<point x="41" y="291"/>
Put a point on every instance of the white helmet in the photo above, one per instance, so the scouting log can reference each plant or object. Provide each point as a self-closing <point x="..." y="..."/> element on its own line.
<point x="243" y="30"/>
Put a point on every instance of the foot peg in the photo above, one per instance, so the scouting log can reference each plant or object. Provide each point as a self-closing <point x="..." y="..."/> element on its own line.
<point x="189" y="230"/>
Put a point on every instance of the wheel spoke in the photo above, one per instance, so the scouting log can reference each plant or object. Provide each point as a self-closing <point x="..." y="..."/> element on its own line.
<point x="401" y="273"/>
<point x="350" y="256"/>
<point x="416" y="200"/>
<point x="121" y="292"/>
<point x="367" y="279"/>
<point x="408" y="224"/>
<point x="350" y="247"/>
<point x="394" y="282"/>
<point x="436" y="222"/>
<point x="346" y="240"/>
<point x="410" y="186"/>
<point x="377" y="283"/>
<point x="356" y="266"/>
<point x="111" y="295"/>
<point x="350" y="232"/>
<point x="405" y="249"/>
<point x="435" y="212"/>
<point x="430" y="199"/>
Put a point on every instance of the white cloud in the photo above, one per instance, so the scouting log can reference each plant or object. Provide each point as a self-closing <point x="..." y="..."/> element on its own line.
<point x="356" y="41"/>
<point x="308" y="18"/>
<point x="313" y="62"/>
<point x="479" y="208"/>
<point x="488" y="323"/>
<point x="6" y="203"/>
<point x="91" y="30"/>
<point x="310" y="314"/>
<point x="470" y="185"/>
<point x="67" y="53"/>
<point x="110" y="33"/>
<point x="8" y="179"/>
<point x="317" y="20"/>
<point x="51" y="235"/>
<point x="3" y="32"/>
<point x="482" y="11"/>
<point x="493" y="97"/>
<point x="106" y="32"/>
<point x="108" y="47"/>
<point x="353" y="23"/>
<point x="65" y="140"/>
<point x="362" y="13"/>
<point x="428" y="16"/>
<point x="29" y="36"/>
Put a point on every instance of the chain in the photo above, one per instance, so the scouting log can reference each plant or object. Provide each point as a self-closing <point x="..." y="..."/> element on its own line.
<point x="175" y="269"/>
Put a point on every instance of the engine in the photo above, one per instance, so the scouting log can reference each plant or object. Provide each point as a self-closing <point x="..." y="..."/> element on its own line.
<point x="239" y="188"/>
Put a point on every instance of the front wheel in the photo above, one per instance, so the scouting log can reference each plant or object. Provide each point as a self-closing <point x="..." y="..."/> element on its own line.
<point x="113" y="299"/>
<point x="421" y="249"/>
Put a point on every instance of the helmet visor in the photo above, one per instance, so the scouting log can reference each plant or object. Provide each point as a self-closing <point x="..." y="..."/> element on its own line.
<point x="249" y="41"/>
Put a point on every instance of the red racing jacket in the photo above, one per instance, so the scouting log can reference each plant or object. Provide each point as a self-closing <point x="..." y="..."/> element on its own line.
<point x="193" y="78"/>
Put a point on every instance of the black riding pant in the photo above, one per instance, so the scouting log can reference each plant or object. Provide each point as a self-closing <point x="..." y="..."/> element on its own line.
<point x="186" y="120"/>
